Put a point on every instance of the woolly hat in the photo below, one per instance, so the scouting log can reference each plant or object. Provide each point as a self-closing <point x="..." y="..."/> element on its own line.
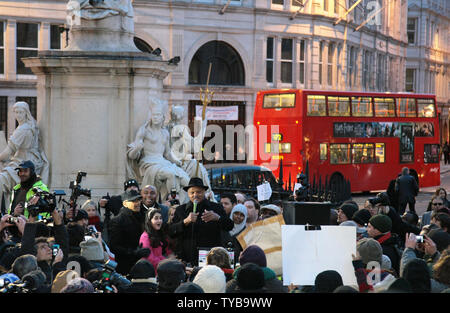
<point x="250" y="277"/>
<point x="441" y="238"/>
<point x="417" y="274"/>
<point x="92" y="250"/>
<point x="348" y="209"/>
<point x="189" y="287"/>
<point x="327" y="281"/>
<point x="78" y="285"/>
<point x="370" y="250"/>
<point x="171" y="273"/>
<point x="253" y="254"/>
<point x="362" y="216"/>
<point x="349" y="223"/>
<point x="62" y="279"/>
<point x="386" y="263"/>
<point x="211" y="279"/>
<point x="142" y="269"/>
<point x="381" y="222"/>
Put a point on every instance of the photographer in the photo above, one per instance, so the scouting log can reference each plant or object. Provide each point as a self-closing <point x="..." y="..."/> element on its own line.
<point x="51" y="258"/>
<point x="114" y="204"/>
<point x="23" y="191"/>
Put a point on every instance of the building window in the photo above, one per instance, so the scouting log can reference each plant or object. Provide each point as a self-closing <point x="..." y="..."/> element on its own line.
<point x="381" y="71"/>
<point x="336" y="6"/>
<point x="2" y="49"/>
<point x="351" y="65"/>
<point x="27" y="45"/>
<point x="4" y="115"/>
<point x="325" y="5"/>
<point x="279" y="2"/>
<point x="55" y="37"/>
<point x="330" y="64"/>
<point x="411" y="30"/>
<point x="302" y="62"/>
<point x="286" y="60"/>
<point x="142" y="45"/>
<point x="320" y="62"/>
<point x="269" y="60"/>
<point x="227" y="65"/>
<point x="410" y="79"/>
<point x="366" y="69"/>
<point x="338" y="64"/>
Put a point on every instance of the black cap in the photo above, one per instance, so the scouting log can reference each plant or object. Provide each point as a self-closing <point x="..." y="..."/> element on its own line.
<point x="82" y="214"/>
<point x="129" y="183"/>
<point x="131" y="195"/>
<point x="26" y="164"/>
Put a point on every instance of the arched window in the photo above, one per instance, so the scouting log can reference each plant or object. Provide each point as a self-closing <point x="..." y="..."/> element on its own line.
<point x="227" y="67"/>
<point x="142" y="45"/>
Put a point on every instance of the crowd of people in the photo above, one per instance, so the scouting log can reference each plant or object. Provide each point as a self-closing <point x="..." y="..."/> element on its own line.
<point x="152" y="247"/>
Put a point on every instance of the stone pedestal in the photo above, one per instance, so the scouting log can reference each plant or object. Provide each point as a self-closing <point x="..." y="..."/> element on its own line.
<point x="90" y="105"/>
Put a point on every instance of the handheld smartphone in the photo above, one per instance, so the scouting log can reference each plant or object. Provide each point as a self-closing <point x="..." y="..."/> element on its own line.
<point x="55" y="249"/>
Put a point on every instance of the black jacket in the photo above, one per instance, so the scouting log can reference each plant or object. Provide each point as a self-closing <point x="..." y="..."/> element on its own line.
<point x="407" y="189"/>
<point x="124" y="232"/>
<point x="198" y="234"/>
<point x="390" y="247"/>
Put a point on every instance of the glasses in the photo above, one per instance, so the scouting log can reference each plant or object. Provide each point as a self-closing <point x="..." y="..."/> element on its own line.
<point x="437" y="203"/>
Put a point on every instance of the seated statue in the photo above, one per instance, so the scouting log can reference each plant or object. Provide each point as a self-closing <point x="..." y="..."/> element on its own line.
<point x="98" y="9"/>
<point x="183" y="144"/>
<point x="155" y="161"/>
<point x="24" y="144"/>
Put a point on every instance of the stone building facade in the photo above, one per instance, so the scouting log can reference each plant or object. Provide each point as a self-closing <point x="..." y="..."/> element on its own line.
<point x="251" y="44"/>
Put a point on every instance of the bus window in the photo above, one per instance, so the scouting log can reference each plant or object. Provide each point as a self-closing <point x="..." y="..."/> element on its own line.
<point x="406" y="107"/>
<point x="338" y="106"/>
<point x="362" y="106"/>
<point x="284" y="100"/>
<point x="339" y="154"/>
<point x="316" y="106"/>
<point x="431" y="153"/>
<point x="384" y="107"/>
<point x="363" y="153"/>
<point x="323" y="148"/>
<point x="425" y="108"/>
<point x="379" y="152"/>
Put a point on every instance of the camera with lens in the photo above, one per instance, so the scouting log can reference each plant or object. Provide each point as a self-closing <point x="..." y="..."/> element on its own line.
<point x="12" y="220"/>
<point x="46" y="202"/>
<point x="174" y="202"/>
<point x="110" y="277"/>
<point x="419" y="239"/>
<point x="381" y="198"/>
<point x="76" y="188"/>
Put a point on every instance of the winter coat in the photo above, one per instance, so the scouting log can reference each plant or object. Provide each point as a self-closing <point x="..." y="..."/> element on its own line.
<point x="141" y="286"/>
<point x="389" y="244"/>
<point x="156" y="254"/>
<point x="407" y="189"/>
<point x="272" y="283"/>
<point x="124" y="233"/>
<point x="199" y="234"/>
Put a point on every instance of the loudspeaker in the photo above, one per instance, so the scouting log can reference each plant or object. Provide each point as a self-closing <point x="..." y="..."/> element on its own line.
<point x="302" y="213"/>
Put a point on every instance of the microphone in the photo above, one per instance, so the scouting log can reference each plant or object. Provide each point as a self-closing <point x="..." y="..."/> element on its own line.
<point x="195" y="206"/>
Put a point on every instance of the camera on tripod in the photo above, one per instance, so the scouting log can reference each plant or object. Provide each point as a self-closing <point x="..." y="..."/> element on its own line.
<point x="76" y="188"/>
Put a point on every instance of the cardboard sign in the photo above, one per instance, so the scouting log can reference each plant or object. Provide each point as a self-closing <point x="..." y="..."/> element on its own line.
<point x="306" y="253"/>
<point x="266" y="234"/>
<point x="264" y="191"/>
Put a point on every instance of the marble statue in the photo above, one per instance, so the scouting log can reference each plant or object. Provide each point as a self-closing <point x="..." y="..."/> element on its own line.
<point x="184" y="146"/>
<point x="99" y="9"/>
<point x="24" y="144"/>
<point x="156" y="163"/>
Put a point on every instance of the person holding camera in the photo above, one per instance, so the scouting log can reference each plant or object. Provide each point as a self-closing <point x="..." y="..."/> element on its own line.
<point x="23" y="191"/>
<point x="125" y="232"/>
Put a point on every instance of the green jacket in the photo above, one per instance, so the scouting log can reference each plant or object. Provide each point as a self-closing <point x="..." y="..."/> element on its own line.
<point x="39" y="184"/>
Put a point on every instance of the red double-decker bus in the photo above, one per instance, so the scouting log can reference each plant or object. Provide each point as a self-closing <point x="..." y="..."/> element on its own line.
<point x="365" y="137"/>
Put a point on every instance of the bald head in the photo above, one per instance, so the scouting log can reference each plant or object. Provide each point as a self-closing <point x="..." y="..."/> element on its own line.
<point x="149" y="194"/>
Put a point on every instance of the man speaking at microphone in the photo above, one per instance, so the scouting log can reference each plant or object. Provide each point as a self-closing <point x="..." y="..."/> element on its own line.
<point x="198" y="223"/>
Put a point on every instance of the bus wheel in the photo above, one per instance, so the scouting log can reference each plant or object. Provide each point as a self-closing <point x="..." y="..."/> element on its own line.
<point x="413" y="173"/>
<point x="337" y="179"/>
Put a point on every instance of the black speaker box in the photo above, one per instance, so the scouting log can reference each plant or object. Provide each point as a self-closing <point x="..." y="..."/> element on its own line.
<point x="302" y="213"/>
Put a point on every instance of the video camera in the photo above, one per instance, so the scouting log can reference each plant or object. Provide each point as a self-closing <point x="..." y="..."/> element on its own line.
<point x="110" y="277"/>
<point x="46" y="203"/>
<point x="29" y="283"/>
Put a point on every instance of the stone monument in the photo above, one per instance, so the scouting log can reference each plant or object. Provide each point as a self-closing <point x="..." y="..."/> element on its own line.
<point x="94" y="94"/>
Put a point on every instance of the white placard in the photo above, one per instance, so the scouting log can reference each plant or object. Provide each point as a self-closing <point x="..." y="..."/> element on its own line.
<point x="227" y="113"/>
<point x="296" y="187"/>
<point x="307" y="253"/>
<point x="264" y="191"/>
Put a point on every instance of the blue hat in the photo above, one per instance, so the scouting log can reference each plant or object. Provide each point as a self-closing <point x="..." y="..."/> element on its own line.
<point x="26" y="164"/>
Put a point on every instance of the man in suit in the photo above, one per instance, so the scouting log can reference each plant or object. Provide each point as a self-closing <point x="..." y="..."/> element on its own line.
<point x="407" y="189"/>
